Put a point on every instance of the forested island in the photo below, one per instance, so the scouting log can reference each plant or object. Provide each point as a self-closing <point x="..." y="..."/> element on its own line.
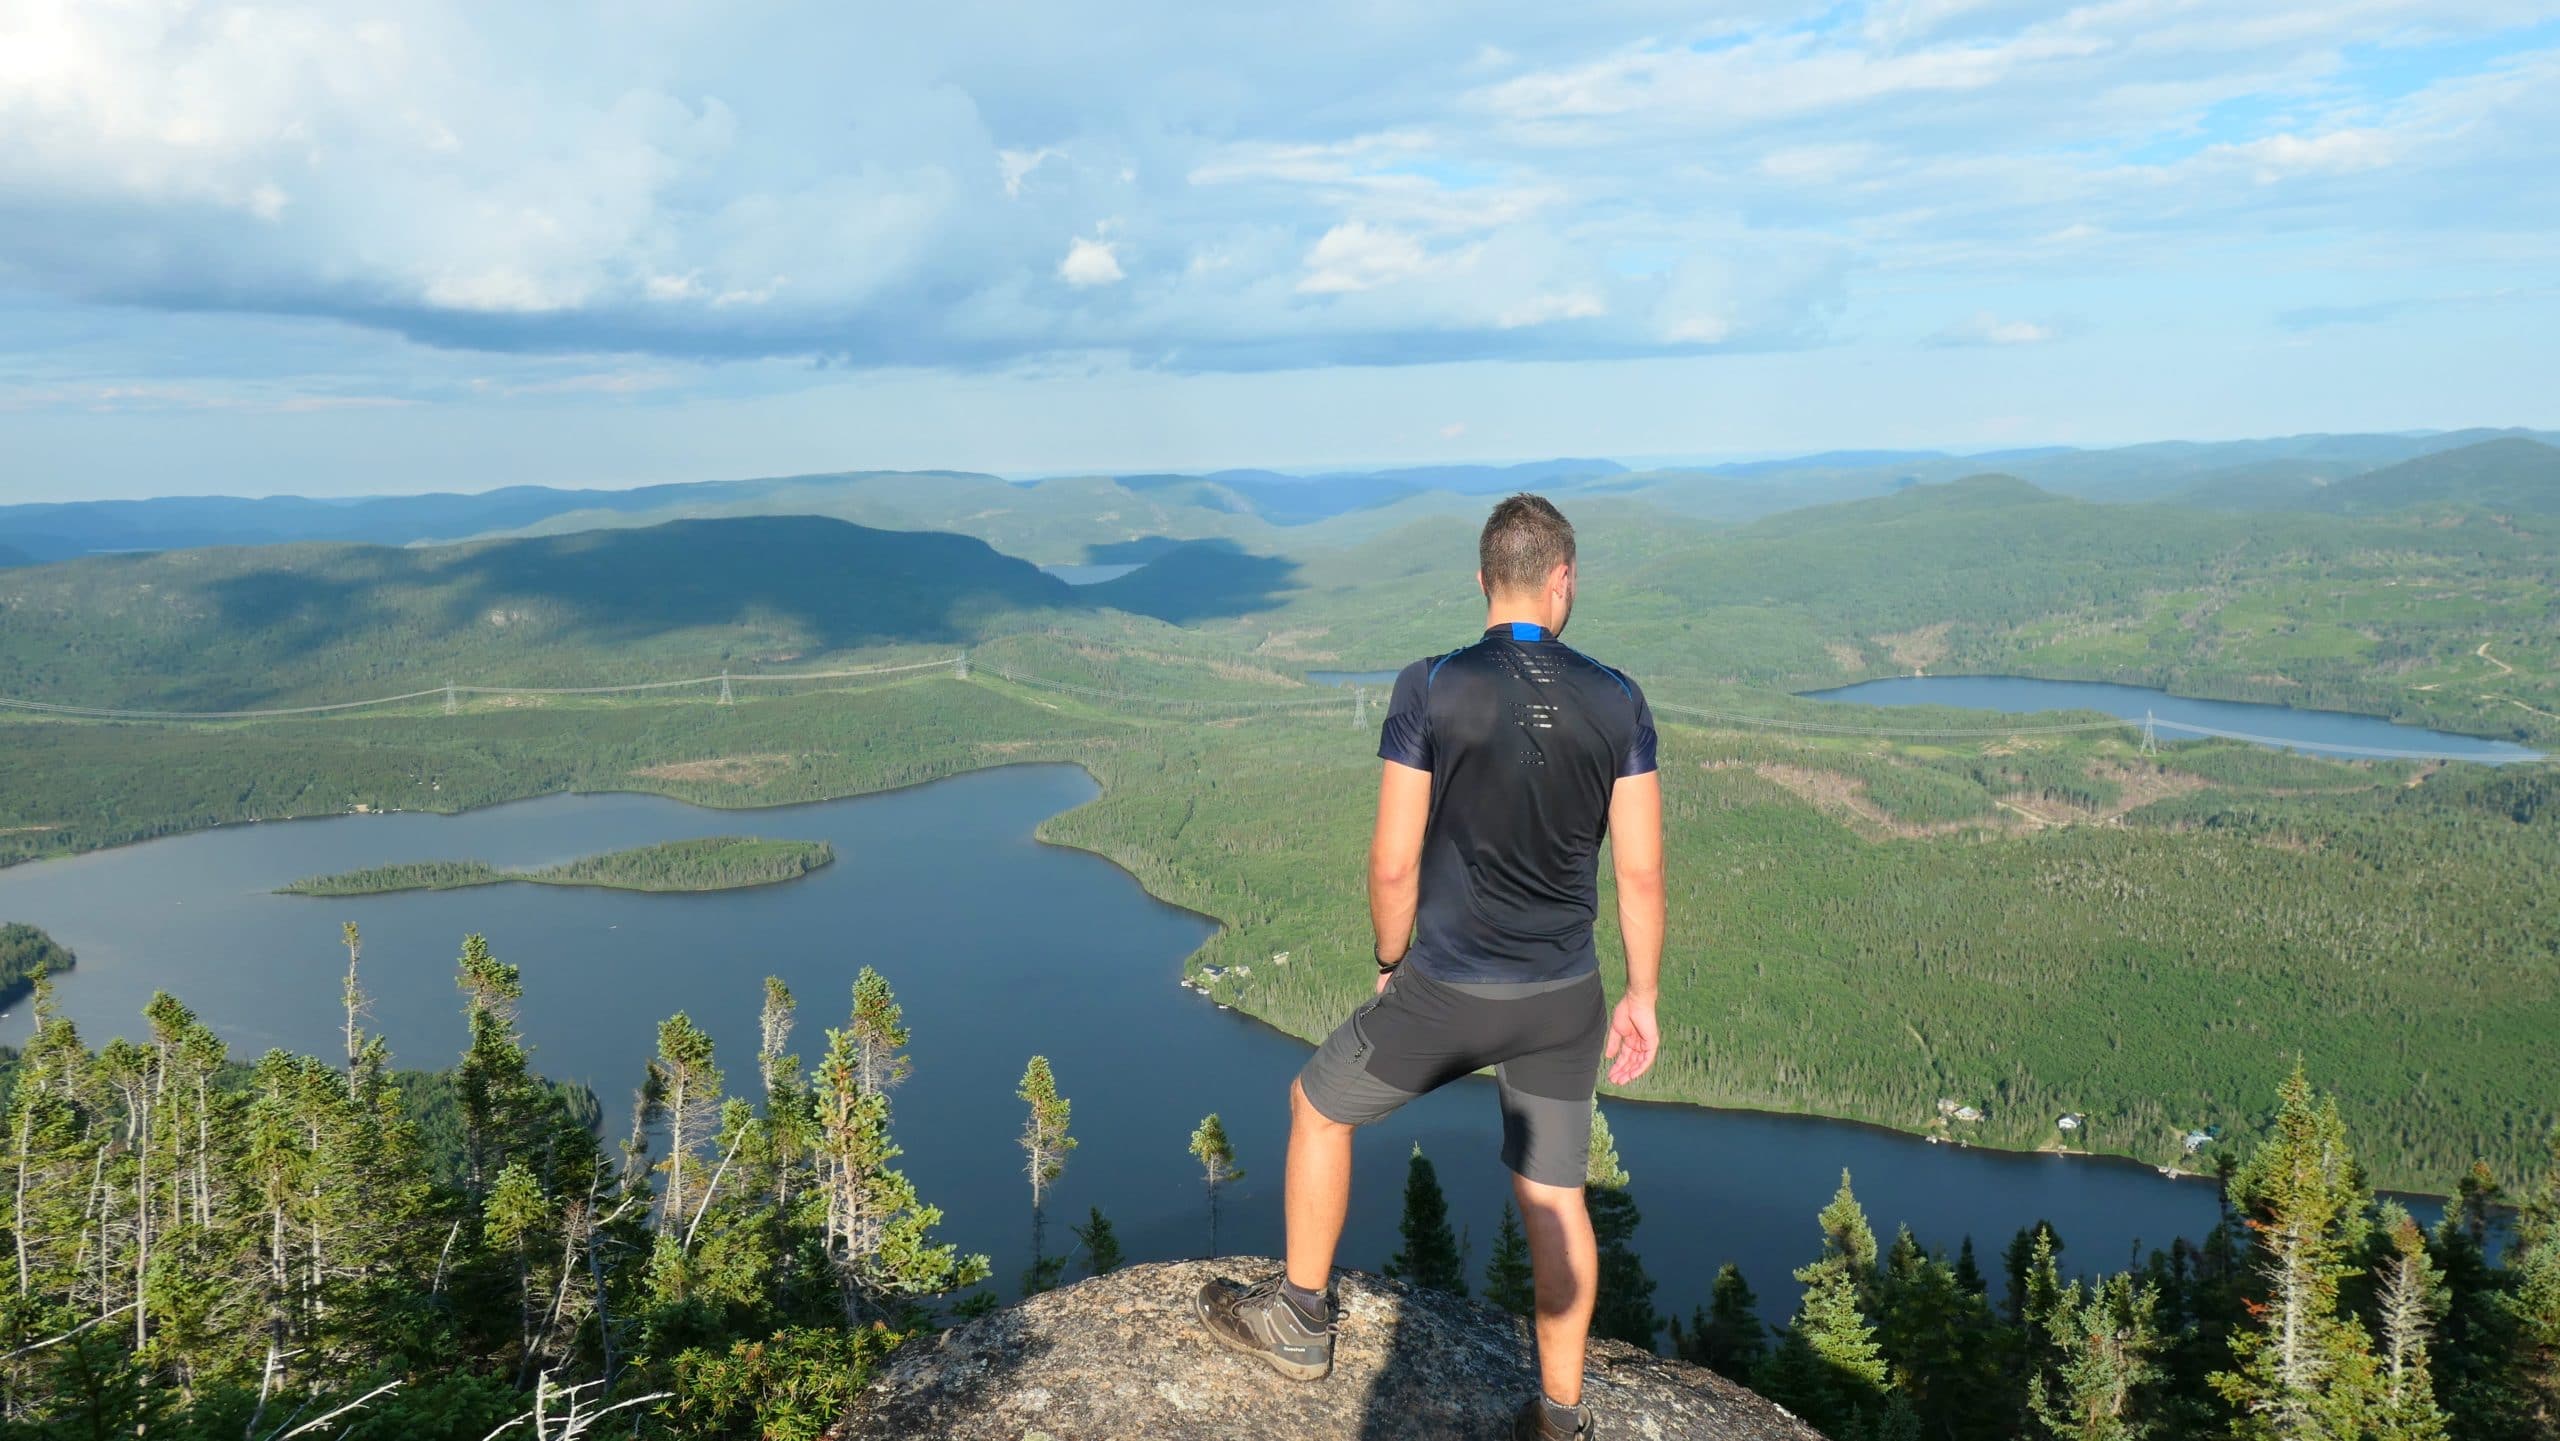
<point x="711" y="863"/>
<point x="27" y="954"/>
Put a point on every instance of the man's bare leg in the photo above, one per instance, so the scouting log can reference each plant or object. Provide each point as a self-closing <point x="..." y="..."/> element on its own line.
<point x="1318" y="1193"/>
<point x="1566" y="1259"/>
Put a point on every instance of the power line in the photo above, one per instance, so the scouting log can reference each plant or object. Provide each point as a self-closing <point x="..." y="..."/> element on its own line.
<point x="961" y="665"/>
<point x="449" y="692"/>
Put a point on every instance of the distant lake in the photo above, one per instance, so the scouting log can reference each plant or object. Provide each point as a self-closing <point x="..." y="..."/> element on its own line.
<point x="1090" y="574"/>
<point x="998" y="947"/>
<point x="2320" y="732"/>
<point x="1352" y="677"/>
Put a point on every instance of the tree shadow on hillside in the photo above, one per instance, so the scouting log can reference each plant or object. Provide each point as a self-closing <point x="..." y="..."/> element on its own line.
<point x="295" y="611"/>
<point x="1200" y="580"/>
<point x="841" y="585"/>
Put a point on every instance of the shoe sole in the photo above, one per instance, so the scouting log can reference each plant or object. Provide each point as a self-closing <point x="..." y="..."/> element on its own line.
<point x="1294" y="1370"/>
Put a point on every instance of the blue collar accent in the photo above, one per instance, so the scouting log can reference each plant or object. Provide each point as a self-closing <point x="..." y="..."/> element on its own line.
<point x="1523" y="631"/>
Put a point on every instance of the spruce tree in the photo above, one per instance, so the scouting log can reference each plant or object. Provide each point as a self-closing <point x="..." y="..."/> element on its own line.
<point x="2407" y="1292"/>
<point x="1045" y="1144"/>
<point x="2530" y="1311"/>
<point x="2099" y="1382"/>
<point x="2304" y="1372"/>
<point x="1101" y="1245"/>
<point x="1429" y="1257"/>
<point x="1217" y="1158"/>
<point x="1728" y="1337"/>
<point x="1509" y="1279"/>
<point x="1625" y="1308"/>
<point x="878" y="1234"/>
<point x="1828" y="1367"/>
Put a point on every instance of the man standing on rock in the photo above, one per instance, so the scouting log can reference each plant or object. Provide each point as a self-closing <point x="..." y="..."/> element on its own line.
<point x="1507" y="762"/>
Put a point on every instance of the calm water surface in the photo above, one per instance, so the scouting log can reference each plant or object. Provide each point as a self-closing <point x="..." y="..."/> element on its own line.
<point x="1090" y="574"/>
<point x="2284" y="727"/>
<point x="999" y="947"/>
<point x="1371" y="678"/>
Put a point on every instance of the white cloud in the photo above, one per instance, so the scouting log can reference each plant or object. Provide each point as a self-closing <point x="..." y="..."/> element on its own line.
<point x="2339" y="152"/>
<point x="1089" y="263"/>
<point x="1017" y="166"/>
<point x="1358" y="256"/>
<point x="1561" y="305"/>
<point x="1453" y="430"/>
<point x="1985" y="328"/>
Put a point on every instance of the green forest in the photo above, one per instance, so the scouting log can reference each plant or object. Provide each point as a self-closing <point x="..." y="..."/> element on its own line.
<point x="27" y="955"/>
<point x="2018" y="920"/>
<point x="709" y="863"/>
<point x="203" y="1248"/>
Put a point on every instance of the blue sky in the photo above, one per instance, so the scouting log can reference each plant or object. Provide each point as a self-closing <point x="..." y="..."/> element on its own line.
<point x="348" y="247"/>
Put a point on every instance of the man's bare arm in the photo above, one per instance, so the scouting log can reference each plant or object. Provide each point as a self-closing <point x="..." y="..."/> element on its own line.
<point x="1635" y="851"/>
<point x="1395" y="857"/>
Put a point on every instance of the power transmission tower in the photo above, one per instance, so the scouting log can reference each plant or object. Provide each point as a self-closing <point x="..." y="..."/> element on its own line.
<point x="725" y="697"/>
<point x="960" y="666"/>
<point x="1359" y="707"/>
<point x="450" y="704"/>
<point x="2150" y="737"/>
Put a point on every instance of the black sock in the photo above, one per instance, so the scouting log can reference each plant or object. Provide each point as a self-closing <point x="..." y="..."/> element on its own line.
<point x="1568" y="1418"/>
<point x="1310" y="1304"/>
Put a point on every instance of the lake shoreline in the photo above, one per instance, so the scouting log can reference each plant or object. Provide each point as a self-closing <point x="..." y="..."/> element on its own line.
<point x="1221" y="923"/>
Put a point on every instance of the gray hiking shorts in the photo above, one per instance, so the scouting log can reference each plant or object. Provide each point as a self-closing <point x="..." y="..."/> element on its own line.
<point x="1542" y="1038"/>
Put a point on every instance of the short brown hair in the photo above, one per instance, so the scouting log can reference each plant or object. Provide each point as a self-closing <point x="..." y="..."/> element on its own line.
<point x="1524" y="539"/>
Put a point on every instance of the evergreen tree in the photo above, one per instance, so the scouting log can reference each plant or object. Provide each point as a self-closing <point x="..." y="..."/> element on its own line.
<point x="1625" y="1308"/>
<point x="877" y="1232"/>
<point x="2099" y="1382"/>
<point x="1969" y="1271"/>
<point x="1728" y="1337"/>
<point x="2406" y="1301"/>
<point x="879" y="1031"/>
<point x="496" y="1081"/>
<point x="1429" y="1257"/>
<point x="2304" y="1372"/>
<point x="689" y="1081"/>
<point x="1045" y="1144"/>
<point x="2032" y="1267"/>
<point x="1940" y="1344"/>
<point x="1828" y="1367"/>
<point x="2530" y="1312"/>
<point x="1217" y="1158"/>
<point x="1101" y="1245"/>
<point x="1509" y="1279"/>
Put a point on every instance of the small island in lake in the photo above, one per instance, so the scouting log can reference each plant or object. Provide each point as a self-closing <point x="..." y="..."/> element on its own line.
<point x="713" y="863"/>
<point x="27" y="955"/>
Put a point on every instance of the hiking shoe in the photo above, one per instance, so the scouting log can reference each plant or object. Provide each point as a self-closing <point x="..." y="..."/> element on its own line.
<point x="1259" y="1321"/>
<point x="1536" y="1424"/>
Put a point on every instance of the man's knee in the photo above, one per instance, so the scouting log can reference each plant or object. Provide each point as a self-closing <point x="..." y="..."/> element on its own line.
<point x="1303" y="1112"/>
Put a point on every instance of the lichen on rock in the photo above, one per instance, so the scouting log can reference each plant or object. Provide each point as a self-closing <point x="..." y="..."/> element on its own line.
<point x="1121" y="1355"/>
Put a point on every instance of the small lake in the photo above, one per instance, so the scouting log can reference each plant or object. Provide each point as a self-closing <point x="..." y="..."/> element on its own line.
<point x="999" y="947"/>
<point x="1090" y="574"/>
<point x="2319" y="732"/>
<point x="1376" y="679"/>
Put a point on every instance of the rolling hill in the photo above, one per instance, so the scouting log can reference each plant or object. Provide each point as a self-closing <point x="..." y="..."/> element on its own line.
<point x="236" y="627"/>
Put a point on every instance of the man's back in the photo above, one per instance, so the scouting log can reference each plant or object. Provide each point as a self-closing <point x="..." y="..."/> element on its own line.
<point x="1524" y="738"/>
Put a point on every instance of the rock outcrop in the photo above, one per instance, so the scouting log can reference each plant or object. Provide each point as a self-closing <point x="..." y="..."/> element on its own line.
<point x="1121" y="1356"/>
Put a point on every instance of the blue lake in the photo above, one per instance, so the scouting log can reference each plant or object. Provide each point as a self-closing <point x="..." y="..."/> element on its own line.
<point x="2182" y="717"/>
<point x="1371" y="678"/>
<point x="999" y="947"/>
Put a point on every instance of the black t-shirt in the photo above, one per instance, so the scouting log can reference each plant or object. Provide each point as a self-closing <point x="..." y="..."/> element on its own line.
<point x="1524" y="738"/>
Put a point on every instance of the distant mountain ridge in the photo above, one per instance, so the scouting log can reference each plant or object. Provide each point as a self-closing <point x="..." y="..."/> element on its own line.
<point x="1098" y="517"/>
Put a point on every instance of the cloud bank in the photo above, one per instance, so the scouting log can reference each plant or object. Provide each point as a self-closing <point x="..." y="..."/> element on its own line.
<point x="1197" y="188"/>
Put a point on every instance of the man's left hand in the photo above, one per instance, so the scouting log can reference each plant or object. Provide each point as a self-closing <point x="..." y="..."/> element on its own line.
<point x="1634" y="1036"/>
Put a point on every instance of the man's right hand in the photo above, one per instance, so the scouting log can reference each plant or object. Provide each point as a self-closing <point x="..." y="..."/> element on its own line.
<point x="1634" y="1037"/>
